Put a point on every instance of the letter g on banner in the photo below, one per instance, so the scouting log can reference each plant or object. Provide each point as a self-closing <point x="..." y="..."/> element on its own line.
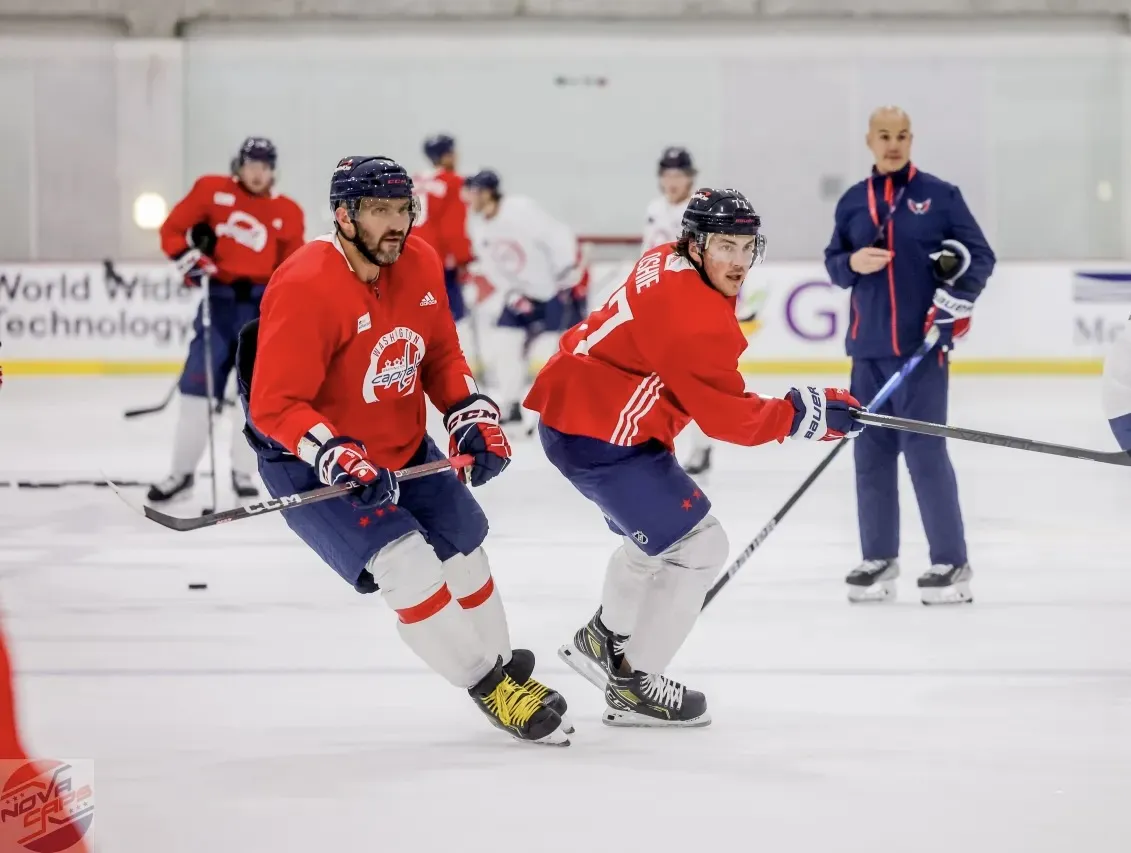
<point x="810" y="313"/>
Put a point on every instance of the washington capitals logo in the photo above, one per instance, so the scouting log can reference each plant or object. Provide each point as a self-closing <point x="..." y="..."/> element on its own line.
<point x="918" y="207"/>
<point x="394" y="365"/>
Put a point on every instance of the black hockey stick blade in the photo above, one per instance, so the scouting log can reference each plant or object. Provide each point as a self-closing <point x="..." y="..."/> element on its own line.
<point x="152" y="410"/>
<point x="287" y="502"/>
<point x="1116" y="457"/>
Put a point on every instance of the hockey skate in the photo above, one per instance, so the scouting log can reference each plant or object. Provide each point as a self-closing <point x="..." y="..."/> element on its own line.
<point x="699" y="462"/>
<point x="873" y="580"/>
<point x="521" y="668"/>
<point x="244" y="485"/>
<point x="591" y="652"/>
<point x="175" y="485"/>
<point x="943" y="583"/>
<point x="514" y="709"/>
<point x="645" y="700"/>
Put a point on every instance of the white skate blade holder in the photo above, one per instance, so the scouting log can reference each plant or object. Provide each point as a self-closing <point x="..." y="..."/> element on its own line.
<point x="583" y="666"/>
<point x="631" y="720"/>
<point x="879" y="592"/>
<point x="957" y="593"/>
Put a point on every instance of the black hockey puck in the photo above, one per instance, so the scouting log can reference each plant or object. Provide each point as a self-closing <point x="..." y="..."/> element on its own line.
<point x="198" y="586"/>
<point x="207" y="511"/>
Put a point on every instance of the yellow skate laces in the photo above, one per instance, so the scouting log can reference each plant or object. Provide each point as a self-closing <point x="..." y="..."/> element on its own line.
<point x="512" y="703"/>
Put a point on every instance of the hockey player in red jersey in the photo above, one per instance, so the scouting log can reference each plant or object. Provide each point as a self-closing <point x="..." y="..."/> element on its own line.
<point x="236" y="231"/>
<point x="355" y="332"/>
<point x="662" y="351"/>
<point x="442" y="220"/>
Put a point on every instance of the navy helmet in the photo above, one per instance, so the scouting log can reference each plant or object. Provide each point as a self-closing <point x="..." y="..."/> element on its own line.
<point x="676" y="158"/>
<point x="258" y="148"/>
<point x="723" y="211"/>
<point x="356" y="178"/>
<point x="435" y="147"/>
<point x="484" y="179"/>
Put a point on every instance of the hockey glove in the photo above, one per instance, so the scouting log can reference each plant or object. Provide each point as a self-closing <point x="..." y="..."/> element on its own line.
<point x="342" y="460"/>
<point x="950" y="313"/>
<point x="193" y="265"/>
<point x="519" y="304"/>
<point x="822" y="415"/>
<point x="950" y="262"/>
<point x="473" y="428"/>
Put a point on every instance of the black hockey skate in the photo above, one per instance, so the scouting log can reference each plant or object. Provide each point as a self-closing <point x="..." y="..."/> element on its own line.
<point x="521" y="669"/>
<point x="699" y="463"/>
<point x="644" y="700"/>
<point x="243" y="485"/>
<point x="513" y="415"/>
<point x="171" y="487"/>
<point x="873" y="580"/>
<point x="595" y="653"/>
<point x="946" y="584"/>
<point x="514" y="709"/>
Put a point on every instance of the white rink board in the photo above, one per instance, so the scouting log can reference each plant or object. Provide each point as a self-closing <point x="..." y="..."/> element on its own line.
<point x="72" y="318"/>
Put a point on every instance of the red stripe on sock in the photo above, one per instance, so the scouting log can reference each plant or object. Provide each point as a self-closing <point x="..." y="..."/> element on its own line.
<point x="432" y="605"/>
<point x="469" y="602"/>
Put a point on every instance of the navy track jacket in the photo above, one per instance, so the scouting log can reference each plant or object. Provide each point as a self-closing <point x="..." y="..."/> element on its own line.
<point x="909" y="213"/>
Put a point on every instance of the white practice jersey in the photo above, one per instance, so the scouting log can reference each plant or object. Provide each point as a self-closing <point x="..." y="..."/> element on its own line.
<point x="1117" y="378"/>
<point x="522" y="249"/>
<point x="663" y="223"/>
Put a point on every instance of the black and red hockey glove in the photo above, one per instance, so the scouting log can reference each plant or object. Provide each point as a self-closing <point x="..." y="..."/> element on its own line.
<point x="473" y="428"/>
<point x="342" y="460"/>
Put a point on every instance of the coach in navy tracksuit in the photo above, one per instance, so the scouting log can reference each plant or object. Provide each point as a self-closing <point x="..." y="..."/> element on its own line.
<point x="908" y="248"/>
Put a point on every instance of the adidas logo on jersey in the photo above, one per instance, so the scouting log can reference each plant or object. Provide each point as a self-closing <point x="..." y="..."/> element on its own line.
<point x="428" y="299"/>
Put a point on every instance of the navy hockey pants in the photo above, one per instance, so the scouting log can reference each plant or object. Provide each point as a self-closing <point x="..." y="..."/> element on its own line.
<point x="641" y="490"/>
<point x="346" y="536"/>
<point x="922" y="396"/>
<point x="229" y="315"/>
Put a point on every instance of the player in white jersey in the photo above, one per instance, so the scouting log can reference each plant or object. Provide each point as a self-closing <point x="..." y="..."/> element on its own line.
<point x="1117" y="388"/>
<point x="536" y="262"/>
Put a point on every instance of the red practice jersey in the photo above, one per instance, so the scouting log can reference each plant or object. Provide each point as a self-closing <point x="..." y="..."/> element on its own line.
<point x="663" y="350"/>
<point x="442" y="222"/>
<point x="337" y="356"/>
<point x="254" y="234"/>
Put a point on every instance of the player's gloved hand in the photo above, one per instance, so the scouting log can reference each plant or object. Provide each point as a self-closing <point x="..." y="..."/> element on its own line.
<point x="342" y="460"/>
<point x="519" y="303"/>
<point x="193" y="265"/>
<point x="473" y="428"/>
<point x="822" y="414"/>
<point x="950" y="314"/>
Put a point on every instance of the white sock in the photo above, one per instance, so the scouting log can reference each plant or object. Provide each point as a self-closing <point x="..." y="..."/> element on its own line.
<point x="429" y="619"/>
<point x="510" y="368"/>
<point x="243" y="457"/>
<point x="190" y="437"/>
<point x="627" y="579"/>
<point x="674" y="598"/>
<point x="469" y="579"/>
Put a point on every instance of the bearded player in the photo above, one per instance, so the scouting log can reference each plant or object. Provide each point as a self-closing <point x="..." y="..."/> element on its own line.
<point x="235" y="230"/>
<point x="355" y="335"/>
<point x="663" y="350"/>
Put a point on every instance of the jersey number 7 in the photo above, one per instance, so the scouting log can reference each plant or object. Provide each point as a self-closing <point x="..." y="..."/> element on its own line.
<point x="615" y="312"/>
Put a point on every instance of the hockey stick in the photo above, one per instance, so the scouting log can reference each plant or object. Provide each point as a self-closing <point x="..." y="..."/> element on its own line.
<point x="80" y="481"/>
<point x="324" y="493"/>
<point x="1115" y="457"/>
<point x="209" y="382"/>
<point x="881" y="397"/>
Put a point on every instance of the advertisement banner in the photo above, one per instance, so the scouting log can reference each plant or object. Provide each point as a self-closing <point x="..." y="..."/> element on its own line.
<point x="137" y="318"/>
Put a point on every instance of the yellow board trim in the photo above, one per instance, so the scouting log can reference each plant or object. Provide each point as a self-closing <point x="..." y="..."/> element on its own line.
<point x="978" y="367"/>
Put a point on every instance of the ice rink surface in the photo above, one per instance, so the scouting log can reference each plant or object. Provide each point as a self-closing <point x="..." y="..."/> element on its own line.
<point x="277" y="711"/>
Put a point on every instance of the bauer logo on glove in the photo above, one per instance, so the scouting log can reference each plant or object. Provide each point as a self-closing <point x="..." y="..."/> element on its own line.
<point x="823" y="414"/>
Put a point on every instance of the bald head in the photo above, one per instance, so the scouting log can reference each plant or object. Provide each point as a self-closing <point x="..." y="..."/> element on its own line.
<point x="889" y="138"/>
